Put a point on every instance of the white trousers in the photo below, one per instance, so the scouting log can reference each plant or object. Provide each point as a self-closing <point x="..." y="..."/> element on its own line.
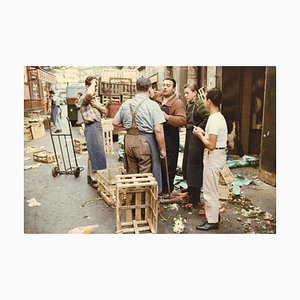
<point x="214" y="162"/>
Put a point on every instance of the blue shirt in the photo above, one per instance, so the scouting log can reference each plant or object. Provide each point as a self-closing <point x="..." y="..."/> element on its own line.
<point x="148" y="114"/>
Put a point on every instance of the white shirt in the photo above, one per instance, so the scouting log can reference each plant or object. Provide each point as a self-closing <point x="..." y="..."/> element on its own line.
<point x="216" y="125"/>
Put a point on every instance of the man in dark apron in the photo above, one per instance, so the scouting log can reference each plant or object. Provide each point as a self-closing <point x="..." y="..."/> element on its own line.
<point x="192" y="165"/>
<point x="175" y="116"/>
<point x="144" y="141"/>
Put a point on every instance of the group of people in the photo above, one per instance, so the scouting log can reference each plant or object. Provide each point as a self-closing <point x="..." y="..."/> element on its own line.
<point x="152" y="121"/>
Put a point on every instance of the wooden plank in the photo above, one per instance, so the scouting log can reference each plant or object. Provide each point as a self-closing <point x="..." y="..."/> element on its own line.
<point x="138" y="201"/>
<point x="132" y="230"/>
<point x="128" y="210"/>
<point x="152" y="228"/>
<point x="147" y="203"/>
<point x="136" y="229"/>
<point x="118" y="215"/>
<point x="142" y="222"/>
<point x="133" y="206"/>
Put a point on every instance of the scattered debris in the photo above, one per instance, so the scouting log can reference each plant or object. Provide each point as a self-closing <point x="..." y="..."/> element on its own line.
<point x="162" y="217"/>
<point x="246" y="160"/>
<point x="33" y="202"/>
<point x="31" y="149"/>
<point x="173" y="206"/>
<point x="88" y="202"/>
<point x="84" y="230"/>
<point x="179" y="224"/>
<point x="32" y="166"/>
<point x="180" y="183"/>
<point x="253" y="219"/>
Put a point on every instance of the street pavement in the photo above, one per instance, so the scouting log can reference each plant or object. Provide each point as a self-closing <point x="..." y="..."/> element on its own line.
<point x="66" y="202"/>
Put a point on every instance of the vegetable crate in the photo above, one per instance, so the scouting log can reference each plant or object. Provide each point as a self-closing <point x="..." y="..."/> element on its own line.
<point x="137" y="203"/>
<point x="107" y="184"/>
<point x="80" y="146"/>
<point x="108" y="136"/>
<point x="44" y="156"/>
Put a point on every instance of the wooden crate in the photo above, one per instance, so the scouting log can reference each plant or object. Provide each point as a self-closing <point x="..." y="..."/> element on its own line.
<point x="27" y="133"/>
<point x="107" y="184"/>
<point x="105" y="99"/>
<point x="136" y="203"/>
<point x="80" y="146"/>
<point x="226" y="178"/>
<point x="44" y="156"/>
<point x="38" y="130"/>
<point x="108" y="136"/>
<point x="224" y="192"/>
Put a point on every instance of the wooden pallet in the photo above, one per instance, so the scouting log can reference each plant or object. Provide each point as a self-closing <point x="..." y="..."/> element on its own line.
<point x="44" y="156"/>
<point x="107" y="184"/>
<point x="136" y="203"/>
<point x="80" y="146"/>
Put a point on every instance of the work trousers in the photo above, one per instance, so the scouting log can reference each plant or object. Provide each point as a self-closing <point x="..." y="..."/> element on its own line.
<point x="214" y="162"/>
<point x="138" y="154"/>
<point x="55" y="116"/>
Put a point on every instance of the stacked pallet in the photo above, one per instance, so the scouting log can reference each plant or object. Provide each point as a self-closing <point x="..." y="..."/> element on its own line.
<point x="36" y="127"/>
<point x="80" y="146"/>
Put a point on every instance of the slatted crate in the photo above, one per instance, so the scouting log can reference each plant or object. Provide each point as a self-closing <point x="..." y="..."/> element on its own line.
<point x="105" y="99"/>
<point x="107" y="184"/>
<point x="136" y="203"/>
<point x="44" y="156"/>
<point x="108" y="136"/>
<point x="80" y="146"/>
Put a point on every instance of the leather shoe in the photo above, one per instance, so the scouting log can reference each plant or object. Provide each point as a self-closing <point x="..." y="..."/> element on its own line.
<point x="208" y="226"/>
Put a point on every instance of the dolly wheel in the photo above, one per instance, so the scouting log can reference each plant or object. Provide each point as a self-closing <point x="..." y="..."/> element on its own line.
<point x="55" y="171"/>
<point x="77" y="172"/>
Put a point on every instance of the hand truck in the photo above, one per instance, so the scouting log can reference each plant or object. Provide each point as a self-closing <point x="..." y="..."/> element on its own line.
<point x="63" y="137"/>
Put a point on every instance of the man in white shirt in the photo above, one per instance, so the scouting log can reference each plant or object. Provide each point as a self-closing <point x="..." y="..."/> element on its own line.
<point x="214" y="139"/>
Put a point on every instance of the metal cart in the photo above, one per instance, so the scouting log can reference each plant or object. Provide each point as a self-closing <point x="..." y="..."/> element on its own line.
<point x="62" y="137"/>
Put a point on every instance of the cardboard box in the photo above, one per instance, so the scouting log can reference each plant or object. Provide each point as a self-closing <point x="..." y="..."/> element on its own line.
<point x="38" y="130"/>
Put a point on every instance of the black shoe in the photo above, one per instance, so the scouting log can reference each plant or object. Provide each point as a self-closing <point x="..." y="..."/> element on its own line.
<point x="208" y="226"/>
<point x="184" y="190"/>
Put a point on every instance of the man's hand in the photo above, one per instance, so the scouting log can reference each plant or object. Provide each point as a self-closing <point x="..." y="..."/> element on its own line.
<point x="166" y="116"/>
<point x="163" y="153"/>
<point x="199" y="132"/>
<point x="92" y="88"/>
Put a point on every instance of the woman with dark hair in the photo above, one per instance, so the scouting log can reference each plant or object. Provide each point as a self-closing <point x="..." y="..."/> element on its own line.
<point x="214" y="139"/>
<point x="192" y="165"/>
